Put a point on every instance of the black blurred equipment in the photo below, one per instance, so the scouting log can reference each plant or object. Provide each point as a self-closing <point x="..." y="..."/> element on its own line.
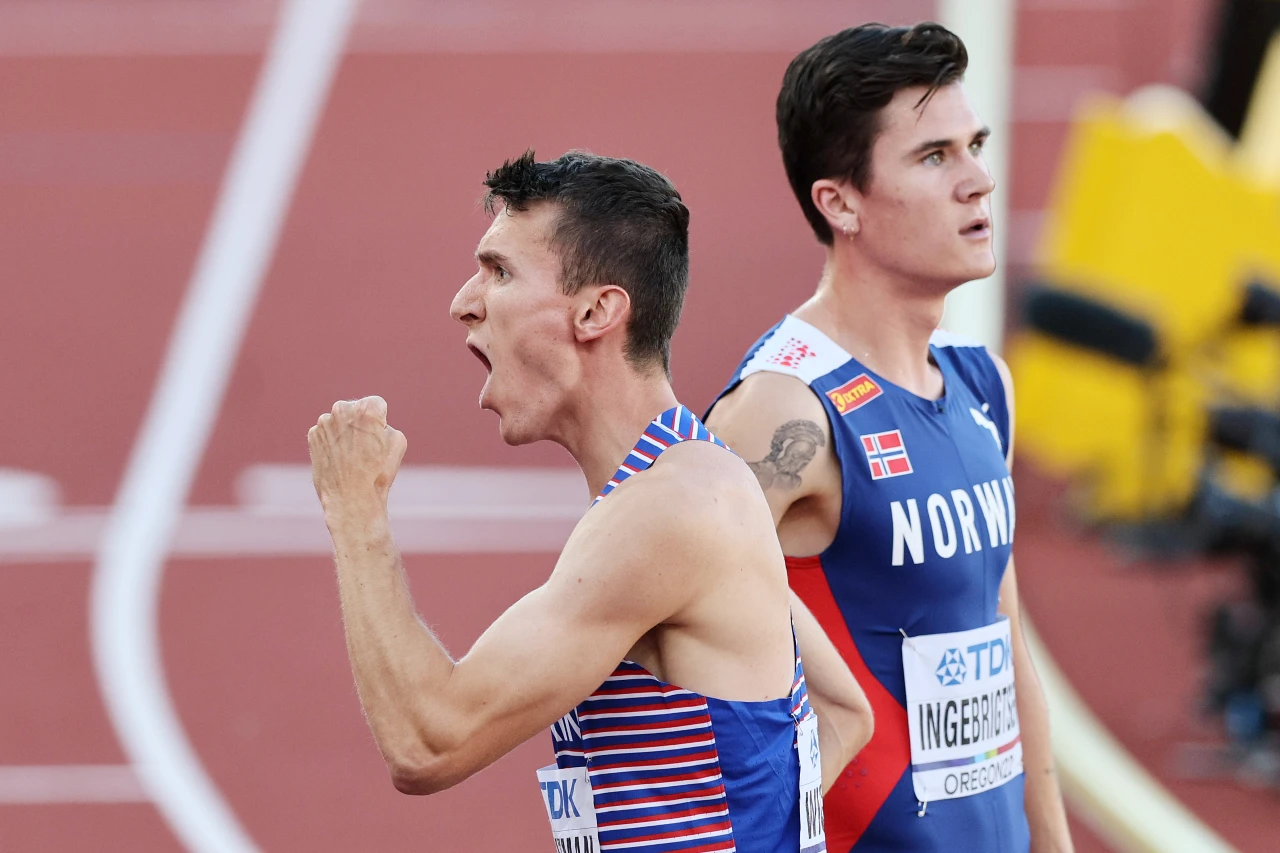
<point x="1242" y="682"/>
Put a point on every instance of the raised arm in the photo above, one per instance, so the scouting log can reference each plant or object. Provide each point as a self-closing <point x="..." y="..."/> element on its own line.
<point x="437" y="720"/>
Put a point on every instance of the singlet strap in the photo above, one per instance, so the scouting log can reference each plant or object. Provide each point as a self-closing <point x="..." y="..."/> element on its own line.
<point x="673" y="426"/>
<point x="800" y="707"/>
<point x="795" y="348"/>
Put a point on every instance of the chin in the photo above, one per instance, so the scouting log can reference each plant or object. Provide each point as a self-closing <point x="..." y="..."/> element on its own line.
<point x="515" y="433"/>
<point x="965" y="273"/>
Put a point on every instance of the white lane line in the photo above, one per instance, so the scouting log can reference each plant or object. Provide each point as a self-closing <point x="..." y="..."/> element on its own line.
<point x="287" y="100"/>
<point x="1105" y="784"/>
<point x="435" y="509"/>
<point x="51" y="784"/>
<point x="231" y="532"/>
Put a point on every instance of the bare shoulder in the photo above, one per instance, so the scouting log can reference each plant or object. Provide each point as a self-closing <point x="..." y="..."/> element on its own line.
<point x="697" y="477"/>
<point x="661" y="530"/>
<point x="777" y="423"/>
<point x="760" y="400"/>
<point x="768" y="412"/>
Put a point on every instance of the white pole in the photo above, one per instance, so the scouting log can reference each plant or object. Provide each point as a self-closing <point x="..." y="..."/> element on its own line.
<point x="986" y="26"/>
<point x="291" y="90"/>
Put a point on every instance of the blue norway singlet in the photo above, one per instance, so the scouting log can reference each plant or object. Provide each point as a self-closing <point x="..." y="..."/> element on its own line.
<point x="925" y="534"/>
<point x="672" y="770"/>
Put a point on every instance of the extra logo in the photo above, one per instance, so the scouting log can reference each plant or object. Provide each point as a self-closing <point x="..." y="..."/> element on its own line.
<point x="815" y="754"/>
<point x="791" y="353"/>
<point x="886" y="454"/>
<point x="952" y="669"/>
<point x="854" y="394"/>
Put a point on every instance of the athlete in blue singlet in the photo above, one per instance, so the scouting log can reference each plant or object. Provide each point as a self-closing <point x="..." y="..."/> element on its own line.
<point x="674" y="576"/>
<point x="883" y="448"/>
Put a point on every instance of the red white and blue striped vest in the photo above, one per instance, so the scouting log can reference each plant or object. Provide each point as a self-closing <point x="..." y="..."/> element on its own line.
<point x="672" y="770"/>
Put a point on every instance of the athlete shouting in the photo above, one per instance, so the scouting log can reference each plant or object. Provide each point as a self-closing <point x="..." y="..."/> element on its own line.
<point x="673" y="577"/>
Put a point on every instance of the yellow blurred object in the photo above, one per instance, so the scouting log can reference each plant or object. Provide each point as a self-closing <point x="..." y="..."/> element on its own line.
<point x="1086" y="416"/>
<point x="1259" y="149"/>
<point x="1152" y="216"/>
<point x="1157" y="215"/>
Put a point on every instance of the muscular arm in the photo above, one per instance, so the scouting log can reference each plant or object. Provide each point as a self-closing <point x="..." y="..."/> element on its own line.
<point x="778" y="424"/>
<point x="1046" y="816"/>
<point x="437" y="720"/>
<point x="845" y="723"/>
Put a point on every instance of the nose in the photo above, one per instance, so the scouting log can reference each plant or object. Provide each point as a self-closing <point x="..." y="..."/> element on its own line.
<point x="977" y="181"/>
<point x="468" y="303"/>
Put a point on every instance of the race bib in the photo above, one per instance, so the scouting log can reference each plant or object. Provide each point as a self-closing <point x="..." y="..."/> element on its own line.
<point x="570" y="808"/>
<point x="962" y="712"/>
<point x="813" y="832"/>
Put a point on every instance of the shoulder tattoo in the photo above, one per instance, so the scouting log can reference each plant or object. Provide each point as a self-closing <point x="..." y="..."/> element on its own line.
<point x="794" y="445"/>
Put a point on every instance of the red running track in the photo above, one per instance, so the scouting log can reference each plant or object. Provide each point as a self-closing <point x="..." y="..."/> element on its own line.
<point x="110" y="168"/>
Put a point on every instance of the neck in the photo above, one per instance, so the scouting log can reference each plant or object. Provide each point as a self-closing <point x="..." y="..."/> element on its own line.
<point x="601" y="427"/>
<point x="882" y="320"/>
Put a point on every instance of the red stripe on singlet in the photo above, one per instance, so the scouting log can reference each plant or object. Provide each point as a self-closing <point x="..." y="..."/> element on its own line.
<point x="854" y="800"/>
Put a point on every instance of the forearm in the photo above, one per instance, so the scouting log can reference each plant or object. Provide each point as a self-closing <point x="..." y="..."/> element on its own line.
<point x="839" y="741"/>
<point x="845" y="722"/>
<point x="400" y="669"/>
<point x="1046" y="816"/>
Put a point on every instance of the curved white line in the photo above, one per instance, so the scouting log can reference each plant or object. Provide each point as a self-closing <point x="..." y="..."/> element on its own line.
<point x="1113" y="792"/>
<point x="291" y="89"/>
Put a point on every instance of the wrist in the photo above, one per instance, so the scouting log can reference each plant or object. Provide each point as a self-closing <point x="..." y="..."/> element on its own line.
<point x="366" y="525"/>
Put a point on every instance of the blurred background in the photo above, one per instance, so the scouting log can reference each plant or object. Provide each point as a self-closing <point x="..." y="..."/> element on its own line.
<point x="217" y="217"/>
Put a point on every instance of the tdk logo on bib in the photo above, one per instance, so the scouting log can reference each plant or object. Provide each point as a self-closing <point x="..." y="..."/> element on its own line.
<point x="995" y="654"/>
<point x="559" y="796"/>
<point x="952" y="669"/>
<point x="962" y="711"/>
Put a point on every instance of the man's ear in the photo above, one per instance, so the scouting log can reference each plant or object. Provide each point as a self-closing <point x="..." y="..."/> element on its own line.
<point x="604" y="308"/>
<point x="840" y="203"/>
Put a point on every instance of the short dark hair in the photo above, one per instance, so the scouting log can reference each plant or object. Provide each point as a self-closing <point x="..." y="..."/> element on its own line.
<point x="621" y="223"/>
<point x="828" y="111"/>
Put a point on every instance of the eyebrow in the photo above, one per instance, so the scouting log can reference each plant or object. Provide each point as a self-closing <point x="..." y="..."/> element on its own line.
<point x="934" y="144"/>
<point x="490" y="258"/>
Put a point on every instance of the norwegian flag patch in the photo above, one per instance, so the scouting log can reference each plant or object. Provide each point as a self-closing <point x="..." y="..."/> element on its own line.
<point x="886" y="454"/>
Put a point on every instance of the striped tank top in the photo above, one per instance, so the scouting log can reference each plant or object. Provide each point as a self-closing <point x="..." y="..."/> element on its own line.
<point x="671" y="770"/>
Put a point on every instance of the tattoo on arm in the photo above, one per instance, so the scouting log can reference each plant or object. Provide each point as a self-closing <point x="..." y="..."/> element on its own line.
<point x="793" y="447"/>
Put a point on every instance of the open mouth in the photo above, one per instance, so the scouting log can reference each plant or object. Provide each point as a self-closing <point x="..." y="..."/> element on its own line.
<point x="977" y="228"/>
<point x="483" y="358"/>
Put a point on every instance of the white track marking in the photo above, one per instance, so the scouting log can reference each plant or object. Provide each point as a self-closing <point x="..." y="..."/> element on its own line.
<point x="48" y="784"/>
<point x="26" y="498"/>
<point x="434" y="510"/>
<point x="1112" y="791"/>
<point x="291" y="90"/>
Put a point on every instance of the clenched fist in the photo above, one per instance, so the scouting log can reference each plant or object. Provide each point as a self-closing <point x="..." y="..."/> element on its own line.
<point x="354" y="458"/>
